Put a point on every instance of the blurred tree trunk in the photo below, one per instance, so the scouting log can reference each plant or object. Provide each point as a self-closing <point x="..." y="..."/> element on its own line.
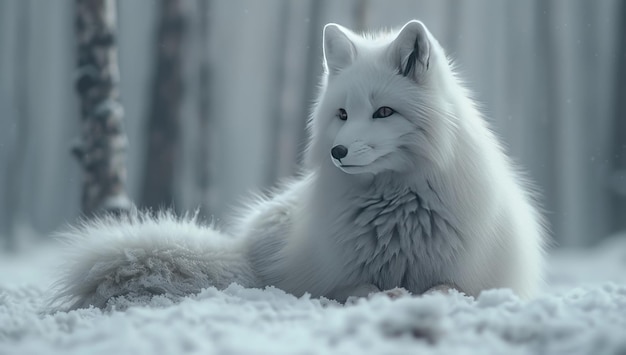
<point x="361" y="10"/>
<point x="296" y="81"/>
<point x="547" y="112"/>
<point x="101" y="151"/>
<point x="313" y="73"/>
<point x="618" y="178"/>
<point x="203" y="164"/>
<point x="278" y="113"/>
<point x="17" y="149"/>
<point x="164" y="118"/>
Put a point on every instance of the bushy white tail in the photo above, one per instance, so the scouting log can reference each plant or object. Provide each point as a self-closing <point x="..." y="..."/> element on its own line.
<point x="146" y="254"/>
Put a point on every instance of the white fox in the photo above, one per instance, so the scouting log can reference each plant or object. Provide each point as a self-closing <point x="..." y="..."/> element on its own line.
<point x="403" y="185"/>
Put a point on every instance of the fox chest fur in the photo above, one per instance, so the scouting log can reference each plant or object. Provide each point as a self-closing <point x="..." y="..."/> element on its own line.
<point x="395" y="238"/>
<point x="380" y="236"/>
<point x="401" y="241"/>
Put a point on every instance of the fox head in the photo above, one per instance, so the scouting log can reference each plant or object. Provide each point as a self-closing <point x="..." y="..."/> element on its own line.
<point x="383" y="102"/>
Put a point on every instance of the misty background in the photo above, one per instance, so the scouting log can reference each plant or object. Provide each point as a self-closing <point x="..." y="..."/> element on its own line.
<point x="549" y="75"/>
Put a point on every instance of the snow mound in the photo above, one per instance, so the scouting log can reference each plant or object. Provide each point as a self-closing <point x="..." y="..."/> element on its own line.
<point x="247" y="321"/>
<point x="587" y="316"/>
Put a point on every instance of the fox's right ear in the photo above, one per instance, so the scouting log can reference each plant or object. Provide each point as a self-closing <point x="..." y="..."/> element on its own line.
<point x="339" y="51"/>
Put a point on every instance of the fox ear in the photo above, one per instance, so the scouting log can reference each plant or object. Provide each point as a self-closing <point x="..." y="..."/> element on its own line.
<point x="339" y="51"/>
<point x="411" y="49"/>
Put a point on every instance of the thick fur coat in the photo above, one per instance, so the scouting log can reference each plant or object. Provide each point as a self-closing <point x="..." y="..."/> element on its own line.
<point x="404" y="185"/>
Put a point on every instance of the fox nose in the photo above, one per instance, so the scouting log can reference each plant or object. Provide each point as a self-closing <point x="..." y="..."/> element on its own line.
<point x="339" y="151"/>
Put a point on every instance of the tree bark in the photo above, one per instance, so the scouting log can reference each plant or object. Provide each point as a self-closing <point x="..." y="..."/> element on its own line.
<point x="101" y="151"/>
<point x="164" y="118"/>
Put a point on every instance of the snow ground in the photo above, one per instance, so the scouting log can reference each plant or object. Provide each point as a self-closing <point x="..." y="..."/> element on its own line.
<point x="582" y="311"/>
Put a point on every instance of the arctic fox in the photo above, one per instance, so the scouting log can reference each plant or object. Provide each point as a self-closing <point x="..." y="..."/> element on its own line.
<point x="403" y="185"/>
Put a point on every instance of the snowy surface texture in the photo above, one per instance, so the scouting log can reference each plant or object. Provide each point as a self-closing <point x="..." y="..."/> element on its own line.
<point x="582" y="311"/>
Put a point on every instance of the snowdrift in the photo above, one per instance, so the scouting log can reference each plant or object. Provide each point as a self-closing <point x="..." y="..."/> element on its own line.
<point x="582" y="311"/>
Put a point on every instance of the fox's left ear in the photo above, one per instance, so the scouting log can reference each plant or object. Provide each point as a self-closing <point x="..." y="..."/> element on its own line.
<point x="411" y="49"/>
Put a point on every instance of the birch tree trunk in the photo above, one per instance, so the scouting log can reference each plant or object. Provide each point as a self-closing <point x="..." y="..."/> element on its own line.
<point x="101" y="151"/>
<point x="164" y="118"/>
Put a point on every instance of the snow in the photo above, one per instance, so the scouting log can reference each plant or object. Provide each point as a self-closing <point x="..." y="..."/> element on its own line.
<point x="582" y="311"/>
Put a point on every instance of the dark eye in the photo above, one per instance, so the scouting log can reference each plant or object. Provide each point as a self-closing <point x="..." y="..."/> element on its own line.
<point x="383" y="112"/>
<point x="342" y="114"/>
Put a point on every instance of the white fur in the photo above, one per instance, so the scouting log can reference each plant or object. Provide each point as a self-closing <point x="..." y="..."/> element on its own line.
<point x="423" y="197"/>
<point x="145" y="254"/>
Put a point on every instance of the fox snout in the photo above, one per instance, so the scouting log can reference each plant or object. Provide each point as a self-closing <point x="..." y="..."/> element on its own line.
<point x="354" y="154"/>
<point x="357" y="154"/>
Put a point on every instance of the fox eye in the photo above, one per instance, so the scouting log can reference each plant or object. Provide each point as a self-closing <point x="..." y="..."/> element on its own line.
<point x="383" y="112"/>
<point x="342" y="114"/>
